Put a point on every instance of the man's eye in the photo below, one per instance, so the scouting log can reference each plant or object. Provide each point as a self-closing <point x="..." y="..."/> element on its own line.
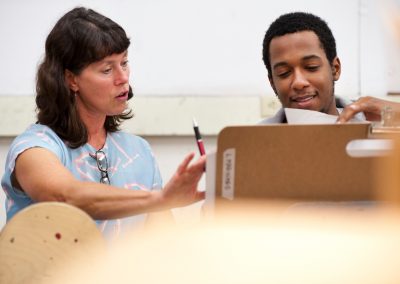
<point x="283" y="74"/>
<point x="312" y="67"/>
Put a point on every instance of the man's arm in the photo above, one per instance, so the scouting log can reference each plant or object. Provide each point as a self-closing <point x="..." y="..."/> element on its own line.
<point x="370" y="106"/>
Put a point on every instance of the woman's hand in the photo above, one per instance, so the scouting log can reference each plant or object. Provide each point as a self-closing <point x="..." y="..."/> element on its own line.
<point x="181" y="190"/>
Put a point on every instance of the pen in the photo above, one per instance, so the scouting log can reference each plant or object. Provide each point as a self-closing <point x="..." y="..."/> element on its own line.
<point x="198" y="138"/>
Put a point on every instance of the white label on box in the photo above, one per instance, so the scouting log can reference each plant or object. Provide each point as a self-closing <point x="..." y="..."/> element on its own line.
<point x="228" y="174"/>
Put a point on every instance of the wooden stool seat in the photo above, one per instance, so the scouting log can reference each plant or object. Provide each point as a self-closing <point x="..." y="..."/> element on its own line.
<point x="41" y="237"/>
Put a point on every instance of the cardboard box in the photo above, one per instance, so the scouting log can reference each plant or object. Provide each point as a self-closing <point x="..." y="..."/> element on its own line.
<point x="299" y="162"/>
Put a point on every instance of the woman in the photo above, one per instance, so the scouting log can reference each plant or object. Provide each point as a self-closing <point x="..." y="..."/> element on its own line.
<point x="76" y="153"/>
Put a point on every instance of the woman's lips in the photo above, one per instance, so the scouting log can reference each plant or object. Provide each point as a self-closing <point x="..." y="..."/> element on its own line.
<point x="122" y="96"/>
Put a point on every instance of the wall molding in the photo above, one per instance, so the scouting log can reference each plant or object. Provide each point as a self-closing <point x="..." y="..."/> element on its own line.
<point x="158" y="115"/>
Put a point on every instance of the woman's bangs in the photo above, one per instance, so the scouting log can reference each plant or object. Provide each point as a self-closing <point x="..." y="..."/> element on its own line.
<point x="105" y="44"/>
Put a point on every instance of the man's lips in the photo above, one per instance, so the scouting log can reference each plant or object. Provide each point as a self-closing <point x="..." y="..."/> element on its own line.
<point x="302" y="99"/>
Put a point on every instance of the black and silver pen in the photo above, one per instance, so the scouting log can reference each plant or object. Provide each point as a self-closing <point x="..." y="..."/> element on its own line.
<point x="199" y="140"/>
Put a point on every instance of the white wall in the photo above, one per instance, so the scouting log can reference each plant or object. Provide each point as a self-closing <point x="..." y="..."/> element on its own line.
<point x="208" y="47"/>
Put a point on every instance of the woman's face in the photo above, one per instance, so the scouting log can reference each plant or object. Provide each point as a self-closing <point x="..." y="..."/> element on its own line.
<point x="102" y="87"/>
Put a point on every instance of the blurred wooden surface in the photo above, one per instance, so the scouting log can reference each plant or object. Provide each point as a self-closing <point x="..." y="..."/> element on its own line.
<point x="43" y="236"/>
<point x="256" y="243"/>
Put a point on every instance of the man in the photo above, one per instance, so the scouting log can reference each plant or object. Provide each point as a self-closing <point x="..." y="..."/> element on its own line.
<point x="299" y="51"/>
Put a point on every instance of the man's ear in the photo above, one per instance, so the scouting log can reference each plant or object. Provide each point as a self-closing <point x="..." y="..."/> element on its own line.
<point x="336" y="68"/>
<point x="271" y="82"/>
<point x="70" y="79"/>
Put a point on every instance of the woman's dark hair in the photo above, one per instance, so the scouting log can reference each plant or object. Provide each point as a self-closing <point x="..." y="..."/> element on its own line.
<point x="81" y="37"/>
<point x="298" y="22"/>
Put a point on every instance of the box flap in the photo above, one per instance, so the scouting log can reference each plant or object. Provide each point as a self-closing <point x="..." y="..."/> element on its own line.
<point x="306" y="162"/>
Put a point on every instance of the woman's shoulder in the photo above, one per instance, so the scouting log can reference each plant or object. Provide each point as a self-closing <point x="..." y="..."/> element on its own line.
<point x="39" y="132"/>
<point x="38" y="135"/>
<point x="123" y="137"/>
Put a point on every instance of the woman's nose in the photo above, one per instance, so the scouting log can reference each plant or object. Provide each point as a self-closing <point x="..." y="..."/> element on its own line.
<point x="122" y="76"/>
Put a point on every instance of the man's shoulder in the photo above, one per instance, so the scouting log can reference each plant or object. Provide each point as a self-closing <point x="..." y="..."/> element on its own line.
<point x="278" y="117"/>
<point x="342" y="102"/>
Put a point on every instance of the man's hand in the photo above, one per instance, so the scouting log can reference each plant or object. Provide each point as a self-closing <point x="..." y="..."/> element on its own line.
<point x="370" y="106"/>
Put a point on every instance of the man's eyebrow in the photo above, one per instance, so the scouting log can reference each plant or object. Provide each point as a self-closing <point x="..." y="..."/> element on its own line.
<point x="308" y="57"/>
<point x="305" y="58"/>
<point x="279" y="64"/>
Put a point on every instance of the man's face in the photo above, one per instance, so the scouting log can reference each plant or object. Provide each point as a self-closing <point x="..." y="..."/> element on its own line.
<point x="301" y="74"/>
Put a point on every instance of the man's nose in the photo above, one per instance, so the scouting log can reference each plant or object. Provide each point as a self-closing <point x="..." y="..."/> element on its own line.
<point x="300" y="80"/>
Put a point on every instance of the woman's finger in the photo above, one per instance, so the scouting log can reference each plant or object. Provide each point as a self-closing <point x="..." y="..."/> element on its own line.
<point x="182" y="167"/>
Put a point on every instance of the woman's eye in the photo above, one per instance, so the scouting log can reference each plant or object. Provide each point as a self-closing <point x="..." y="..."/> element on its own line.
<point x="125" y="63"/>
<point x="107" y="71"/>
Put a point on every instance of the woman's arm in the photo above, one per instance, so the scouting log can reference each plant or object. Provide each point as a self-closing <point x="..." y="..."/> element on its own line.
<point x="40" y="174"/>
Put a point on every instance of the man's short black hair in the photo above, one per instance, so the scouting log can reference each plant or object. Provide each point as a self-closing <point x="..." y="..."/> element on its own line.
<point x="298" y="22"/>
